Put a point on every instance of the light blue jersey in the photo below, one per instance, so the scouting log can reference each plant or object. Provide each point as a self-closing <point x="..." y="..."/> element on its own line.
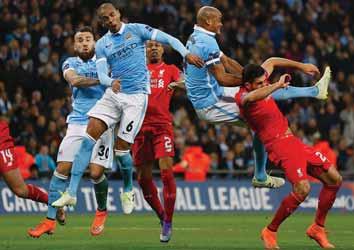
<point x="202" y="88"/>
<point x="83" y="98"/>
<point x="125" y="55"/>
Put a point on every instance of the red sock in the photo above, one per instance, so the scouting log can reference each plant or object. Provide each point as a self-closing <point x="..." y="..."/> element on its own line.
<point x="287" y="207"/>
<point x="169" y="193"/>
<point x="151" y="196"/>
<point x="37" y="194"/>
<point x="325" y="202"/>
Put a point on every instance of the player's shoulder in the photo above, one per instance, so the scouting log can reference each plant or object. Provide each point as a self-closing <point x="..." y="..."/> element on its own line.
<point x="205" y="38"/>
<point x="103" y="39"/>
<point x="69" y="62"/>
<point x="138" y="27"/>
<point x="71" y="59"/>
<point x="171" y="67"/>
<point x="240" y="95"/>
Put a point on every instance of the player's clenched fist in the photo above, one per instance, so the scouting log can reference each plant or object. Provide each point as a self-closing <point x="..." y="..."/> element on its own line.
<point x="116" y="86"/>
<point x="195" y="60"/>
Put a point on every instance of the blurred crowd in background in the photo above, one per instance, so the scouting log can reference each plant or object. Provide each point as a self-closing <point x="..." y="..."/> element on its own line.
<point x="36" y="36"/>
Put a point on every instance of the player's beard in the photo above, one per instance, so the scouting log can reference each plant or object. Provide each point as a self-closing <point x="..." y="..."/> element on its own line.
<point x="86" y="55"/>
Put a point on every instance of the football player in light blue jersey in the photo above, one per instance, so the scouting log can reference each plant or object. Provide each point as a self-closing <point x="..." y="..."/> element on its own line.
<point x="80" y="72"/>
<point x="121" y="51"/>
<point x="212" y="88"/>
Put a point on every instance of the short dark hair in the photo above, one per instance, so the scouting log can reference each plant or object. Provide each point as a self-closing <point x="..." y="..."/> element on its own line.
<point x="251" y="72"/>
<point x="85" y="29"/>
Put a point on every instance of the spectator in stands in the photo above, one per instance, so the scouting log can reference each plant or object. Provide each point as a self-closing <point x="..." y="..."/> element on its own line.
<point x="44" y="161"/>
<point x="195" y="164"/>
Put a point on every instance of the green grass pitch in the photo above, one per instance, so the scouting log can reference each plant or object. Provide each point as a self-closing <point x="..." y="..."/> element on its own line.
<point x="191" y="231"/>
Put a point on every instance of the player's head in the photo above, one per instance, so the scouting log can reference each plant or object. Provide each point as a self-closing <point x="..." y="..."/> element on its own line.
<point x="210" y="19"/>
<point x="254" y="76"/>
<point x="154" y="51"/>
<point x="84" y="43"/>
<point x="109" y="17"/>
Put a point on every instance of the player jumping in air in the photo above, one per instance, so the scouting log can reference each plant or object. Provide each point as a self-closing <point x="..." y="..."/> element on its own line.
<point x="211" y="89"/>
<point x="155" y="140"/>
<point x="80" y="72"/>
<point x="11" y="174"/>
<point x="120" y="51"/>
<point x="297" y="159"/>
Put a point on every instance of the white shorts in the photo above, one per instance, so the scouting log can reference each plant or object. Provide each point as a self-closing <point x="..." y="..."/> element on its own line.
<point x="127" y="109"/>
<point x="224" y="111"/>
<point x="102" y="153"/>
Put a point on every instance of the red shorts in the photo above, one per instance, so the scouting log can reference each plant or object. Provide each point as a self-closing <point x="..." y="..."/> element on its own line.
<point x="153" y="142"/>
<point x="297" y="159"/>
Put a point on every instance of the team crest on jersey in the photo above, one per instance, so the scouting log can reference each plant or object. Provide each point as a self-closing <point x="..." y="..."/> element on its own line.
<point x="66" y="66"/>
<point x="128" y="36"/>
<point x="161" y="72"/>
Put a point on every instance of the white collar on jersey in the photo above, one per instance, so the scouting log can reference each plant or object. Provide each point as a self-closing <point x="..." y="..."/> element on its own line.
<point x="197" y="27"/>
<point x="91" y="59"/>
<point x="122" y="27"/>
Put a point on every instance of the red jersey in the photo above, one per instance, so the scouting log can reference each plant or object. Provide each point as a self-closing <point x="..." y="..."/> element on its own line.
<point x="263" y="116"/>
<point x="6" y="141"/>
<point x="161" y="75"/>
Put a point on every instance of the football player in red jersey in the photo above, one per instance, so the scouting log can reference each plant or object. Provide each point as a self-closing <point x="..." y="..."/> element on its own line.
<point x="11" y="174"/>
<point x="155" y="140"/>
<point x="297" y="159"/>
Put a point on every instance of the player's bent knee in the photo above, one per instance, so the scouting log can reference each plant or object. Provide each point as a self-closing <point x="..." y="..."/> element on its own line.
<point x="337" y="180"/>
<point x="96" y="128"/>
<point x="122" y="145"/>
<point x="165" y="163"/>
<point x="96" y="175"/>
<point x="302" y="188"/>
<point x="335" y="177"/>
<point x="63" y="168"/>
<point x="145" y="175"/>
<point x="96" y="172"/>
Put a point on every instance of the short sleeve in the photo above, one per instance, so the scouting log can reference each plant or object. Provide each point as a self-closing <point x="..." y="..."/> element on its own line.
<point x="239" y="97"/>
<point x="175" y="73"/>
<point x="211" y="53"/>
<point x="68" y="65"/>
<point x="146" y="32"/>
<point x="99" y="49"/>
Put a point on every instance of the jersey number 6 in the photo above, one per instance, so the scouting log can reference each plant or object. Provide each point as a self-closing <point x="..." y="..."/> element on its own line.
<point x="129" y="126"/>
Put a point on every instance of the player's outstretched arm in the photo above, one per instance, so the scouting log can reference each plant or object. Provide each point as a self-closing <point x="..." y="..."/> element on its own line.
<point x="176" y="44"/>
<point x="273" y="62"/>
<point x="264" y="92"/>
<point x="224" y="79"/>
<point x="231" y="65"/>
<point x="78" y="81"/>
